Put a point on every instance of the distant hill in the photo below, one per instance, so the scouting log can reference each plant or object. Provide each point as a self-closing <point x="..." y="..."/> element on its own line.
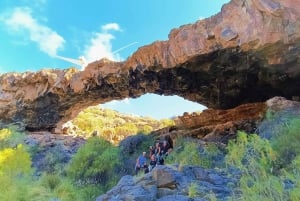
<point x="112" y="125"/>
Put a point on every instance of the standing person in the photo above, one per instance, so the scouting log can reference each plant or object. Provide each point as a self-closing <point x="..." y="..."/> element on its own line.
<point x="151" y="151"/>
<point x="157" y="149"/>
<point x="170" y="142"/>
<point x="141" y="162"/>
<point x="165" y="148"/>
<point x="164" y="152"/>
<point x="152" y="163"/>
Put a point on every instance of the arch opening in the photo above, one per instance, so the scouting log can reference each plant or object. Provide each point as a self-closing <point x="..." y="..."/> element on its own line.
<point x="117" y="120"/>
<point x="155" y="106"/>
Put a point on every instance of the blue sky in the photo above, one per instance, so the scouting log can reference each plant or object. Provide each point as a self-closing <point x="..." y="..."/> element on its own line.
<point x="32" y="34"/>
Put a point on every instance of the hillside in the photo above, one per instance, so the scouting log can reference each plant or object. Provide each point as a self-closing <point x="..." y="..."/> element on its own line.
<point x="111" y="125"/>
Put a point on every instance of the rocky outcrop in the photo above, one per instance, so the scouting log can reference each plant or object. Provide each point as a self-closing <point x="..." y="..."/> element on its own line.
<point x="50" y="153"/>
<point x="166" y="183"/>
<point x="220" y="125"/>
<point x="248" y="52"/>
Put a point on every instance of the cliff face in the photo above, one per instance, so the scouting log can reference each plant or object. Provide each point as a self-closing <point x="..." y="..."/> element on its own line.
<point x="248" y="52"/>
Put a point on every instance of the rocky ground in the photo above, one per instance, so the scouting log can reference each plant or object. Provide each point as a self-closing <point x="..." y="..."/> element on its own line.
<point x="167" y="183"/>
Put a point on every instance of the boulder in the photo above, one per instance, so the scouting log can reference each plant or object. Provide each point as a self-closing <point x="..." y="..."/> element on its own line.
<point x="164" y="176"/>
<point x="128" y="190"/>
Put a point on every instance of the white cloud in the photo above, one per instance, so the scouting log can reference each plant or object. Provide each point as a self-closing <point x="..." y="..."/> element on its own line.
<point x="100" y="44"/>
<point x="20" y="20"/>
<point x="111" y="26"/>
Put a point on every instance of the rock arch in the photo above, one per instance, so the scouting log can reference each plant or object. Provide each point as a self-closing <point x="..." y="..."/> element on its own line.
<point x="248" y="52"/>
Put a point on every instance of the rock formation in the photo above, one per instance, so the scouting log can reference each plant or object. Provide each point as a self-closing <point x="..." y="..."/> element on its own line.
<point x="215" y="124"/>
<point x="51" y="151"/>
<point x="248" y="52"/>
<point x="166" y="184"/>
<point x="223" y="125"/>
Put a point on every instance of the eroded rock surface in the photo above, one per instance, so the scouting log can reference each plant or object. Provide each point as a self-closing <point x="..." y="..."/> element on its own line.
<point x="221" y="125"/>
<point x="248" y="52"/>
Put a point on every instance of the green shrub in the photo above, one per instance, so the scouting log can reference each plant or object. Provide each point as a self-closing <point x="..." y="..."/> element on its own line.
<point x="54" y="161"/>
<point x="94" y="163"/>
<point x="50" y="181"/>
<point x="246" y="150"/>
<point x="15" y="162"/>
<point x="15" y="174"/>
<point x="292" y="174"/>
<point x="187" y="152"/>
<point x="9" y="137"/>
<point x="66" y="191"/>
<point x="255" y="158"/>
<point x="286" y="141"/>
<point x="89" y="192"/>
<point x="52" y="187"/>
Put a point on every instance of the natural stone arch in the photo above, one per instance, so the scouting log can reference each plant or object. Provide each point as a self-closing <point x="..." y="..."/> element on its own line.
<point x="231" y="58"/>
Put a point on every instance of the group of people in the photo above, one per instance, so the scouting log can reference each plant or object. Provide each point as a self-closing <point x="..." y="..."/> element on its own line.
<point x="156" y="155"/>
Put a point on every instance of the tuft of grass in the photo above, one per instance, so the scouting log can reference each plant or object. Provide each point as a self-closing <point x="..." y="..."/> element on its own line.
<point x="193" y="190"/>
<point x="50" y="181"/>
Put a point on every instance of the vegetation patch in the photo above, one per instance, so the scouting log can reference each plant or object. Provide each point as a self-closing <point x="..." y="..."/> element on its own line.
<point x="113" y="126"/>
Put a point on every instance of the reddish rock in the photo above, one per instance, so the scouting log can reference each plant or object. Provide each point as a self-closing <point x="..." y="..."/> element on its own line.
<point x="215" y="124"/>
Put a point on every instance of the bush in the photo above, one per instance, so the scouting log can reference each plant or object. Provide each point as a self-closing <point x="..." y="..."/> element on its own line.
<point x="9" y="137"/>
<point x="50" y="181"/>
<point x="188" y="152"/>
<point x="15" y="162"/>
<point x="94" y="163"/>
<point x="15" y="173"/>
<point x="185" y="153"/>
<point x="54" y="160"/>
<point x="255" y="158"/>
<point x="286" y="142"/>
<point x="89" y="192"/>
